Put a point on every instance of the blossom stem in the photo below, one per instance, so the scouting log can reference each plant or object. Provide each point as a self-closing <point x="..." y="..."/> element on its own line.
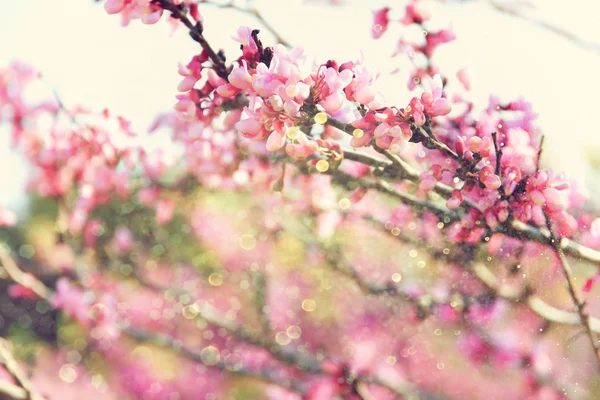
<point x="196" y="32"/>
<point x="584" y="316"/>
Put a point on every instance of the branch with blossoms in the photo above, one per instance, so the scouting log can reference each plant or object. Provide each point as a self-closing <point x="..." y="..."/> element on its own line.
<point x="315" y="177"/>
<point x="388" y="133"/>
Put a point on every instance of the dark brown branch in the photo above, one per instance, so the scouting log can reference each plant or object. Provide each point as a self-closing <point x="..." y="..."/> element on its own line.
<point x="196" y="32"/>
<point x="516" y="229"/>
<point x="352" y="182"/>
<point x="265" y="375"/>
<point x="483" y="274"/>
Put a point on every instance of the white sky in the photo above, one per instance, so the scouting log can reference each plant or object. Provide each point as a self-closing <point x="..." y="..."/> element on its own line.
<point x="89" y="58"/>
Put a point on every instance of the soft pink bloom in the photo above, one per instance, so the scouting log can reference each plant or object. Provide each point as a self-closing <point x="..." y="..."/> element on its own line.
<point x="18" y="291"/>
<point x="114" y="6"/>
<point x="7" y="217"/>
<point x="123" y="239"/>
<point x="455" y="200"/>
<point x="164" y="211"/>
<point x="275" y="141"/>
<point x="463" y="78"/>
<point x="380" y="22"/>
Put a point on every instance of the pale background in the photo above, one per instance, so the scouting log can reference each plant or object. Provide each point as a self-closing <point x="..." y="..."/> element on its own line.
<point x="89" y="58"/>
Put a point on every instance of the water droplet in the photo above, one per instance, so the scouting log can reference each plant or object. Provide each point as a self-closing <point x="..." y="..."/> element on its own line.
<point x="293" y="331"/>
<point x="396" y="277"/>
<point x="247" y="242"/>
<point x="309" y="305"/>
<point x="292" y="132"/>
<point x="282" y="338"/>
<point x="322" y="165"/>
<point x="73" y="357"/>
<point x="210" y="355"/>
<point x="321" y="118"/>
<point x="67" y="373"/>
<point x="358" y="133"/>
<point x="190" y="312"/>
<point x="344" y="203"/>
<point x="215" y="279"/>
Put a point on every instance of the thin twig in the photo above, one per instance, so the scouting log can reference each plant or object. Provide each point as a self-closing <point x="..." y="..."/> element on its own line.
<point x="24" y="279"/>
<point x="584" y="316"/>
<point x="483" y="274"/>
<point x="256" y="14"/>
<point x="196" y="32"/>
<point x="516" y="230"/>
<point x="266" y="375"/>
<point x="12" y="367"/>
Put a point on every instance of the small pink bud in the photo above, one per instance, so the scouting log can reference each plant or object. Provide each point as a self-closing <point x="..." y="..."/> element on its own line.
<point x="250" y="128"/>
<point x="554" y="201"/>
<point x="455" y="200"/>
<point x="441" y="107"/>
<point x="459" y="146"/>
<point x="123" y="239"/>
<point x="489" y="179"/>
<point x="275" y="141"/>
<point x="475" y="144"/>
<point x="381" y="130"/>
<point x="114" y="6"/>
<point x="333" y="102"/>
<point x="428" y="182"/>
<point x="240" y="78"/>
<point x="164" y="211"/>
<point x="187" y="83"/>
<point x="463" y="78"/>
<point x="486" y="147"/>
<point x="537" y="197"/>
<point x="153" y="17"/>
<point x="380" y="22"/>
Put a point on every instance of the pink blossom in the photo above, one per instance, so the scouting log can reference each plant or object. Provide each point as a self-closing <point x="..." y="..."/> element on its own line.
<point x="123" y="239"/>
<point x="164" y="211"/>
<point x="416" y="13"/>
<point x="380" y="22"/>
<point x="463" y="78"/>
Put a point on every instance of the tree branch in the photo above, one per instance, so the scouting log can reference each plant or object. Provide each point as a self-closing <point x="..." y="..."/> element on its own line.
<point x="27" y="391"/>
<point x="196" y="32"/>
<point x="264" y="375"/>
<point x="584" y="316"/>
<point x="256" y="14"/>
